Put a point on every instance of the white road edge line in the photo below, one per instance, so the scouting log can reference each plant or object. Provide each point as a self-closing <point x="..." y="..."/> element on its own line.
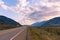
<point x="16" y="35"/>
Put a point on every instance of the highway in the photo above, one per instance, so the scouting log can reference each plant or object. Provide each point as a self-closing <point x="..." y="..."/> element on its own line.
<point x="14" y="34"/>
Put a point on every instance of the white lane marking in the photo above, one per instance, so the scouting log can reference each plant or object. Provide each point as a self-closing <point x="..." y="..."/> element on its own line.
<point x="16" y="35"/>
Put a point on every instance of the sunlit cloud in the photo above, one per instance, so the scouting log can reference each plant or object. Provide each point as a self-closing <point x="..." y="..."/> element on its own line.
<point x="33" y="11"/>
<point x="2" y="5"/>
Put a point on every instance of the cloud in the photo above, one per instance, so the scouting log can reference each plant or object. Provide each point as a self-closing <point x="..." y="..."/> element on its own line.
<point x="2" y="5"/>
<point x="32" y="11"/>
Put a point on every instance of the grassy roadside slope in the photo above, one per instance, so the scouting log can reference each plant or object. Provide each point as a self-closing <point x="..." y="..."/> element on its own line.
<point x="44" y="33"/>
<point x="6" y="26"/>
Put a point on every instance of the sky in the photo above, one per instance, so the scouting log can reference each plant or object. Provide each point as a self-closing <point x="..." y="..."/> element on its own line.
<point x="27" y="12"/>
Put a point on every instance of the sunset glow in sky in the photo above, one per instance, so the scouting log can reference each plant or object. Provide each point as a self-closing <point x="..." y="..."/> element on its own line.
<point x="27" y="12"/>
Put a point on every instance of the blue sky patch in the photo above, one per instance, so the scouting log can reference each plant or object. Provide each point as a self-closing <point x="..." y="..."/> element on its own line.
<point x="10" y="2"/>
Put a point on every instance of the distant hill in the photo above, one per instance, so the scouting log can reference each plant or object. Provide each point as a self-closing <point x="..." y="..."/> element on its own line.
<point x="38" y="23"/>
<point x="53" y="22"/>
<point x="7" y="21"/>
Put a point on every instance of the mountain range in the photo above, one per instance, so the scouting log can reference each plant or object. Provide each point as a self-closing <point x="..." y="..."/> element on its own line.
<point x="38" y="23"/>
<point x="52" y="22"/>
<point x="7" y="21"/>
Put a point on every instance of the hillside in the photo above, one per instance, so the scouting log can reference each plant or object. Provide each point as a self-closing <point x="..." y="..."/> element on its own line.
<point x="53" y="22"/>
<point x="6" y="22"/>
<point x="37" y="24"/>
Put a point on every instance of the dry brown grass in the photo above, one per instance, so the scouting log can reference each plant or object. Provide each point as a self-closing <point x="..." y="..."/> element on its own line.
<point x="44" y="33"/>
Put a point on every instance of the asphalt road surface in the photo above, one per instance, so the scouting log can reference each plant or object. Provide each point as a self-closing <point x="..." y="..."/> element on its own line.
<point x="14" y="34"/>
